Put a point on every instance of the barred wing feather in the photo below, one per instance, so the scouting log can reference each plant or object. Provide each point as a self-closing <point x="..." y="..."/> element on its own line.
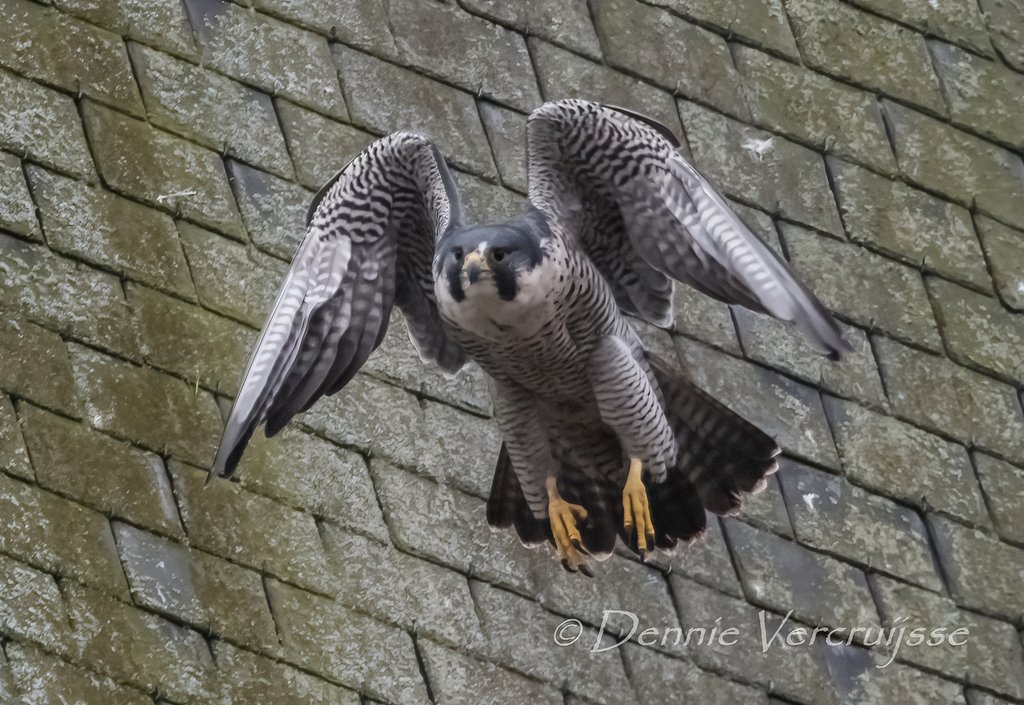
<point x="369" y="244"/>
<point x="583" y="153"/>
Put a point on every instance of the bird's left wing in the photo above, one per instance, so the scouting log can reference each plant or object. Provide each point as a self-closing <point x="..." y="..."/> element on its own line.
<point x="370" y="238"/>
<point x="613" y="181"/>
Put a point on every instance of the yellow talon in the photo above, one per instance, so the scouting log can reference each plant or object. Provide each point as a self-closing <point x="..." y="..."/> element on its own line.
<point x="636" y="511"/>
<point x="568" y="543"/>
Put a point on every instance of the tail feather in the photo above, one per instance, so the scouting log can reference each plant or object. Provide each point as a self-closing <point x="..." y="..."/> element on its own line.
<point x="721" y="457"/>
<point x="722" y="454"/>
<point x="507" y="507"/>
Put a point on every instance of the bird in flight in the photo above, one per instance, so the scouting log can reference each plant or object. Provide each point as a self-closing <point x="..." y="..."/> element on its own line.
<point x="602" y="439"/>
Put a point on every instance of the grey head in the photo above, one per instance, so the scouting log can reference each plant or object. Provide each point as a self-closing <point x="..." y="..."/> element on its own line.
<point x="497" y="255"/>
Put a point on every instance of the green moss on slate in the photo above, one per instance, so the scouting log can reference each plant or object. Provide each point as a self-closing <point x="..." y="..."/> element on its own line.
<point x="897" y="459"/>
<point x="13" y="456"/>
<point x="846" y="278"/>
<point x="79" y="57"/>
<point x="111" y="232"/>
<point x="1003" y="484"/>
<point x="69" y="297"/>
<point x="978" y="331"/>
<point x="833" y="116"/>
<point x="197" y="588"/>
<point x="43" y="124"/>
<point x="44" y="678"/>
<point x="211" y="109"/>
<point x="278" y="58"/>
<point x="31" y="606"/>
<point x="17" y="212"/>
<point x="191" y="180"/>
<point x="752" y="165"/>
<point x="346" y="646"/>
<point x="59" y="536"/>
<point x="671" y="52"/>
<point x="945" y="397"/>
<point x="157" y="411"/>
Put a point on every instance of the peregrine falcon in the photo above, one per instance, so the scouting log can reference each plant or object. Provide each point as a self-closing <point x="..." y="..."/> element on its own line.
<point x="602" y="439"/>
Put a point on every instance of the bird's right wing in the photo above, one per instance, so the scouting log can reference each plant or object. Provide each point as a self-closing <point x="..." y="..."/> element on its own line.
<point x="370" y="238"/>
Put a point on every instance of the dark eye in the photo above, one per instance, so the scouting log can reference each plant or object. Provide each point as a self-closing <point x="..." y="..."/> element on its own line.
<point x="497" y="254"/>
<point x="457" y="252"/>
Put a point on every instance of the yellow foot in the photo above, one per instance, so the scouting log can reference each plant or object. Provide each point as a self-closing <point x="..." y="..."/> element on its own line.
<point x="636" y="511"/>
<point x="568" y="544"/>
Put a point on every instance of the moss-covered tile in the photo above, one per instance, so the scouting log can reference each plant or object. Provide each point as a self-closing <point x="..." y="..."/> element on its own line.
<point x="160" y="23"/>
<point x="863" y="48"/>
<point x="762" y="22"/>
<point x="157" y="411"/>
<point x="189" y="179"/>
<point x="59" y="49"/>
<point x="977" y="649"/>
<point x="384" y="97"/>
<point x="563" y="74"/>
<point x="13" y="455"/>
<point x="191" y="341"/>
<point x="309" y="473"/>
<point x="671" y="52"/>
<point x="319" y="146"/>
<point x="984" y="573"/>
<point x="43" y="124"/>
<point x="958" y="21"/>
<point x="348" y="647"/>
<point x="248" y="679"/>
<point x="789" y="411"/>
<point x="1003" y="484"/>
<point x="233" y="523"/>
<point x="458" y="679"/>
<point x="110" y="231"/>
<point x="197" y="588"/>
<point x="564" y="22"/>
<point x="17" y="212"/>
<point x="132" y="646"/>
<point x="479" y="56"/>
<point x="401" y="589"/>
<point x="890" y="538"/>
<point x="35" y="364"/>
<point x="780" y="345"/>
<point x="967" y="169"/>
<point x="783" y="575"/>
<point x="44" y="678"/>
<point x="273" y="210"/>
<point x="846" y="278"/>
<point x="506" y="133"/>
<point x="211" y="109"/>
<point x="940" y="395"/>
<point x="813" y="108"/>
<point x="109" y="475"/>
<point x="30" y="606"/>
<point x="1004" y="248"/>
<point x="69" y="297"/>
<point x="752" y="165"/>
<point x="58" y="536"/>
<point x="902" y="461"/>
<point x="978" y="331"/>
<point x="909" y="224"/>
<point x="279" y="58"/>
<point x="984" y="95"/>
<point x="230" y="278"/>
<point x="518" y="633"/>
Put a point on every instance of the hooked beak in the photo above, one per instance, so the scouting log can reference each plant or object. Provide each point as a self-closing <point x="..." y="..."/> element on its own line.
<point x="474" y="266"/>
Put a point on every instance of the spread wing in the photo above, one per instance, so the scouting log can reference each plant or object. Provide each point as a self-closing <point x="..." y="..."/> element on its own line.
<point x="614" y="181"/>
<point x="369" y="244"/>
